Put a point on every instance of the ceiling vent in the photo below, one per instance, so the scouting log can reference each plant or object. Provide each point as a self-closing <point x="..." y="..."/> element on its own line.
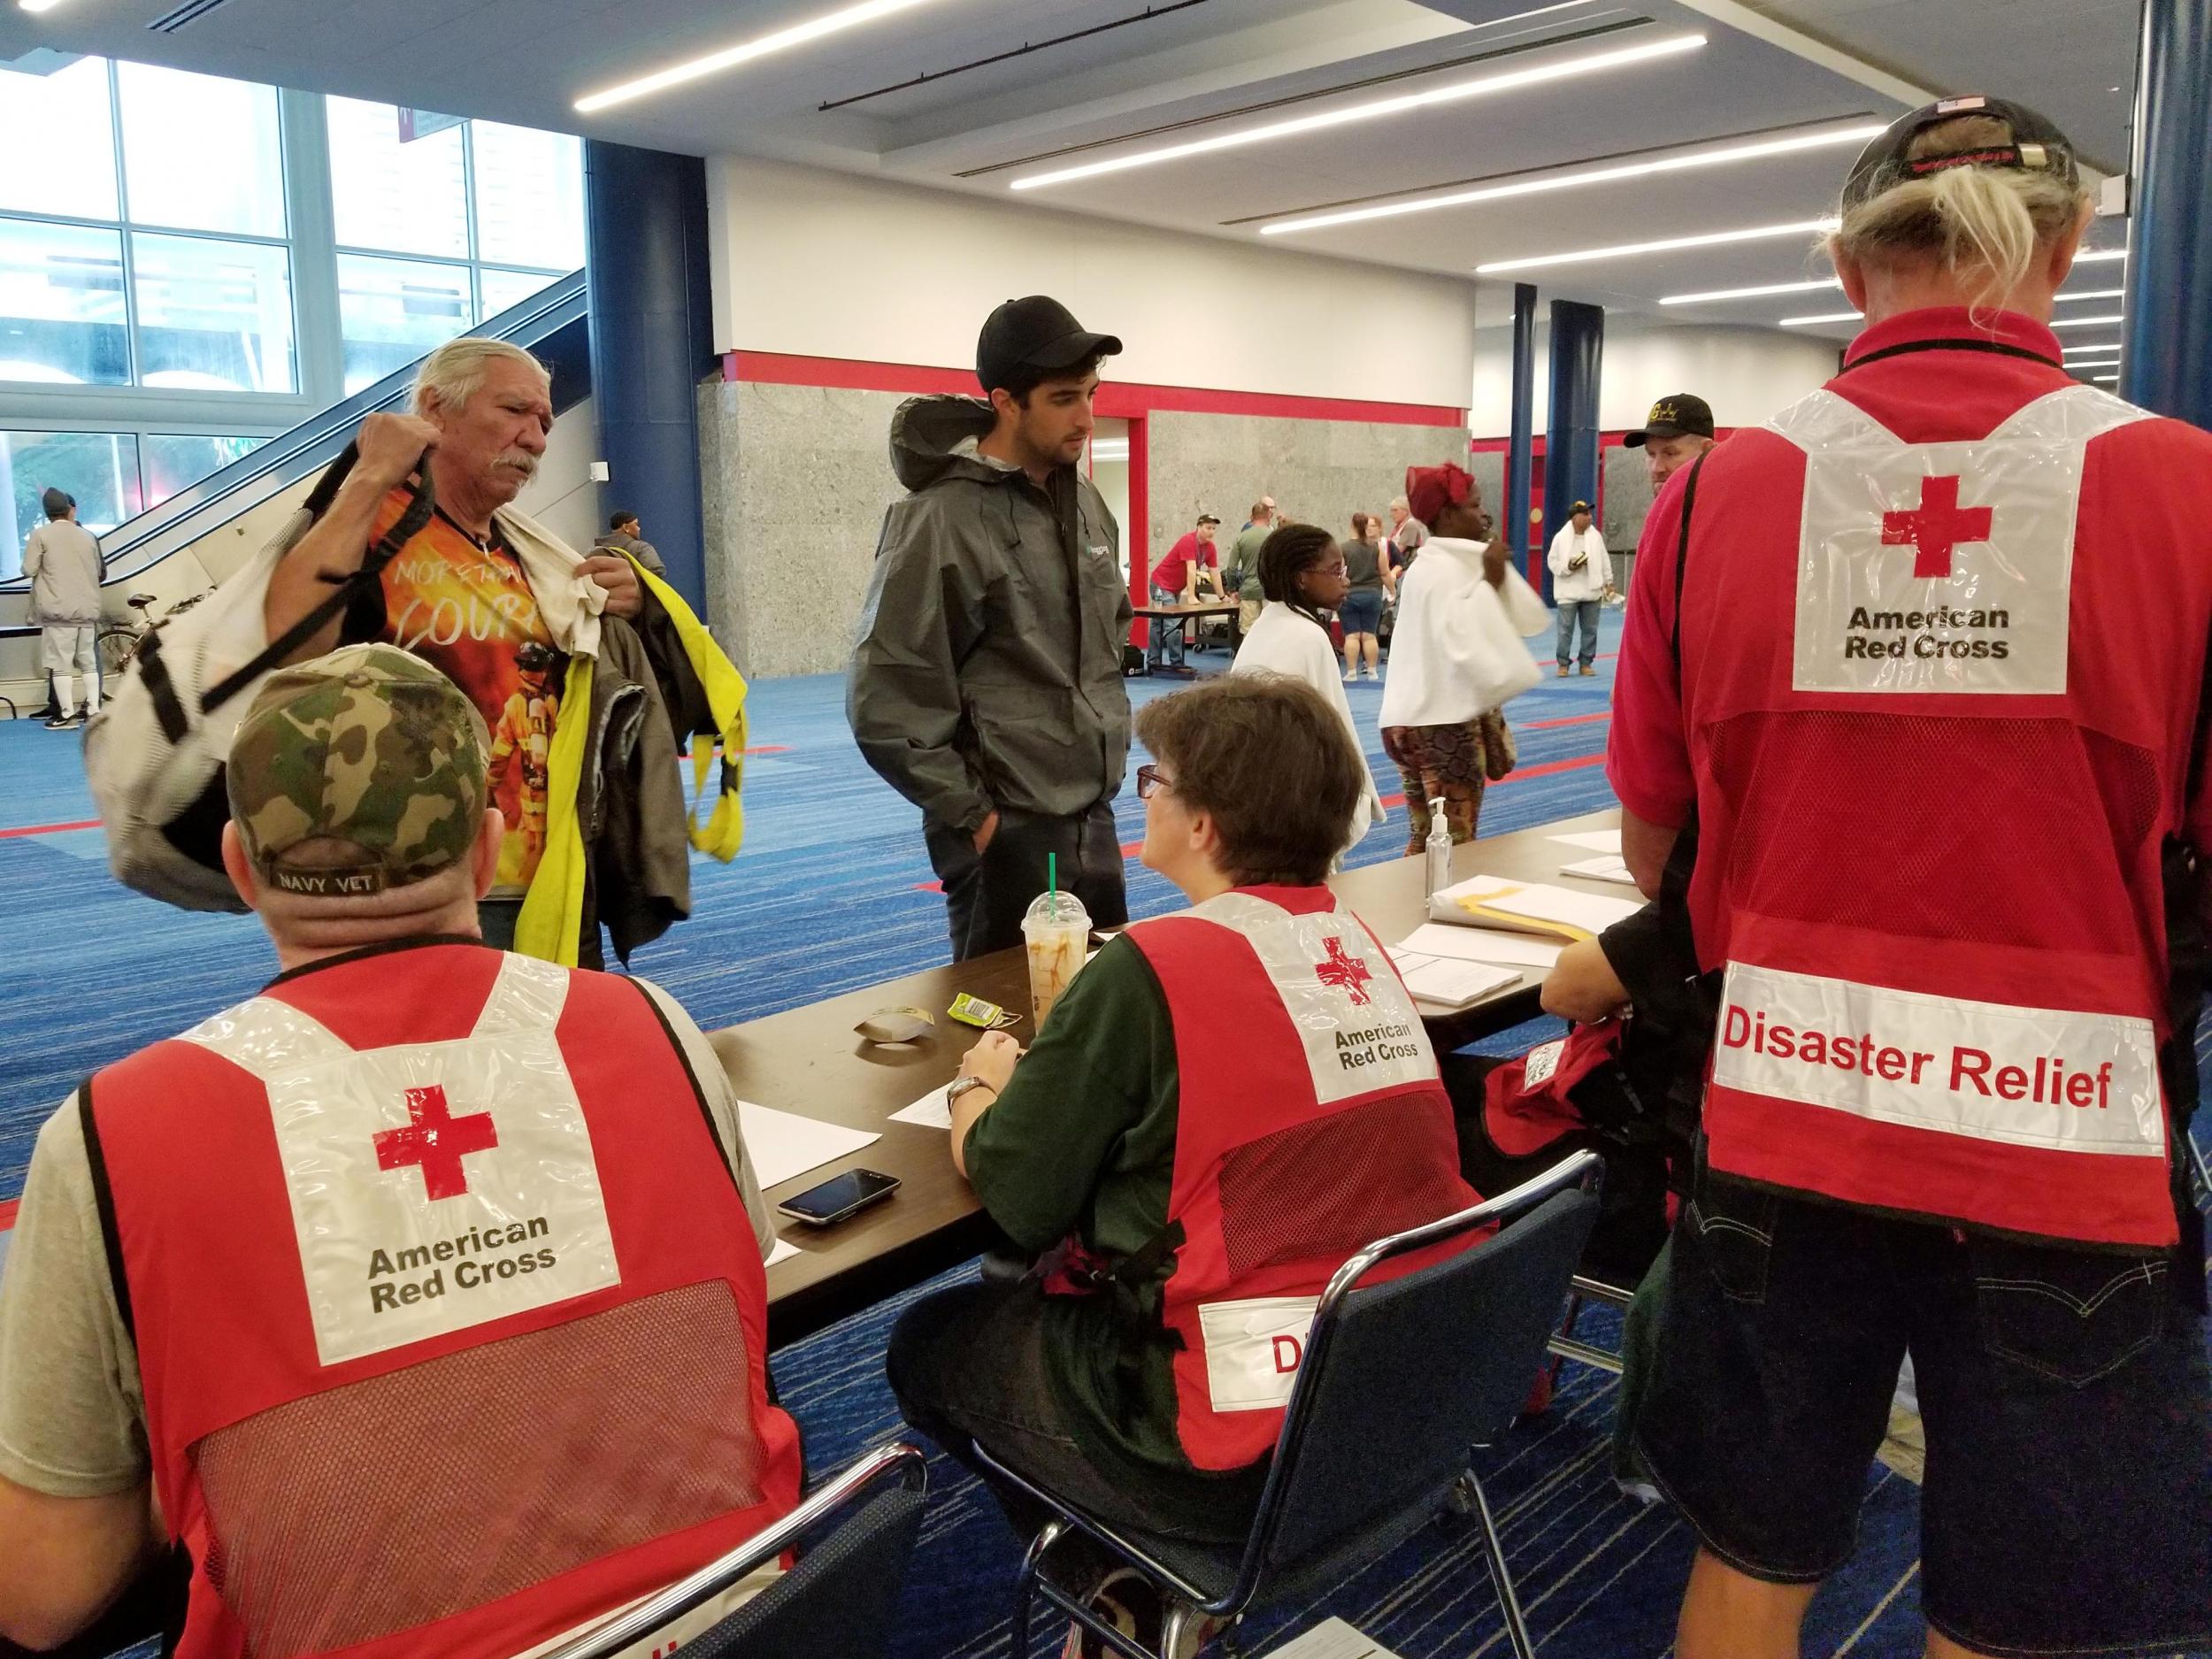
<point x="190" y="13"/>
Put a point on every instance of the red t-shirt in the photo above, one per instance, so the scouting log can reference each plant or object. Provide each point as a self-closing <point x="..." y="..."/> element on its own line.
<point x="1171" y="572"/>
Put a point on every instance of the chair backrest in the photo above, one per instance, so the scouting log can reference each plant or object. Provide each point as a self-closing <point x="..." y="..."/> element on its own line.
<point x="838" y="1599"/>
<point x="1402" y="1378"/>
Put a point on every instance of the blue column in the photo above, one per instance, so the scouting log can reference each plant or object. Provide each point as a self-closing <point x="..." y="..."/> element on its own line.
<point x="652" y="342"/>
<point x="1520" y="453"/>
<point x="1571" y="450"/>
<point x="2168" y="368"/>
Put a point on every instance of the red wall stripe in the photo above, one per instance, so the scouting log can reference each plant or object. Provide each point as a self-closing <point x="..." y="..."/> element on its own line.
<point x="1117" y="399"/>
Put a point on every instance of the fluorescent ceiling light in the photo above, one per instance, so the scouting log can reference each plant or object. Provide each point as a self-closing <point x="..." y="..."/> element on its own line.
<point x="730" y="57"/>
<point x="2095" y="256"/>
<point x="2096" y="294"/>
<point x="1595" y="175"/>
<point x="2106" y="380"/>
<point x="2087" y="351"/>
<point x="2086" y="322"/>
<point x="1829" y="317"/>
<point x="1751" y="293"/>
<point x="38" y="5"/>
<point x="1373" y="110"/>
<point x="1627" y="250"/>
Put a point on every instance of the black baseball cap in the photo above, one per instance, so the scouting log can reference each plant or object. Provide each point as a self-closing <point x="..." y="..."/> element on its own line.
<point x="1207" y="518"/>
<point x="1670" y="417"/>
<point x="1580" y="506"/>
<point x="2034" y="144"/>
<point x="1036" y="333"/>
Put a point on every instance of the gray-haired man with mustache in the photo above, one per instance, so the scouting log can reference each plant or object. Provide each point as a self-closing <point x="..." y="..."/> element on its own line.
<point x="492" y="599"/>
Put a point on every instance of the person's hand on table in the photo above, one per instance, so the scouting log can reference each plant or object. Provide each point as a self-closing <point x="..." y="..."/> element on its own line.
<point x="992" y="1059"/>
<point x="625" y="595"/>
<point x="1582" y="985"/>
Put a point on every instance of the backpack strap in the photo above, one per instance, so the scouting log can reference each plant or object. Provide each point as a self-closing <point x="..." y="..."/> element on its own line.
<point x="420" y="504"/>
<point x="1682" y="557"/>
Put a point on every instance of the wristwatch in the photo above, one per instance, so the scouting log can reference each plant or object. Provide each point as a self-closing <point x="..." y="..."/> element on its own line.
<point x="960" y="1085"/>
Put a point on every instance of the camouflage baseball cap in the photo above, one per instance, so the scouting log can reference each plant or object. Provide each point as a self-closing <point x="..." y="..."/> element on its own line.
<point x="358" y="772"/>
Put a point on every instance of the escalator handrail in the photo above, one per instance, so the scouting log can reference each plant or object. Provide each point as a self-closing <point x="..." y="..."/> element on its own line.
<point x="135" y="545"/>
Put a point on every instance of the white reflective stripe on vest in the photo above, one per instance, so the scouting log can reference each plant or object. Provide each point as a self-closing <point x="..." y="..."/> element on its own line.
<point x="436" y="1186"/>
<point x="1253" y="1349"/>
<point x="2057" y="1079"/>
<point x="1360" y="1028"/>
<point x="1939" y="567"/>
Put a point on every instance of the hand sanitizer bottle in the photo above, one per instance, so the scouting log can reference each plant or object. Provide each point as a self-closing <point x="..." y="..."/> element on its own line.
<point x="1437" y="852"/>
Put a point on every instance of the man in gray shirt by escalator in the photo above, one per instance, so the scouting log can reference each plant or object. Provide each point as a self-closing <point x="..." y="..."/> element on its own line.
<point x="985" y="684"/>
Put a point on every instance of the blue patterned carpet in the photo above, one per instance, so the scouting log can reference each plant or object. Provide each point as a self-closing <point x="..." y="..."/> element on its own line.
<point x="827" y="897"/>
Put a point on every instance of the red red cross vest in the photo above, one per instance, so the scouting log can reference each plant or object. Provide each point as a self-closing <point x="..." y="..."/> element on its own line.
<point x="450" y="1317"/>
<point x="1936" y="705"/>
<point x="1309" y="1124"/>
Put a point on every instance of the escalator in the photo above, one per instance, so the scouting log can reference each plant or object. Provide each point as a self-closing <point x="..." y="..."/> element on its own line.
<point x="178" y="550"/>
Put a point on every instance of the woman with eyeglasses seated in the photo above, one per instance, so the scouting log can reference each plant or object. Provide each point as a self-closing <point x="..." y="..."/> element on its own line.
<point x="1190" y="1180"/>
<point x="1302" y="571"/>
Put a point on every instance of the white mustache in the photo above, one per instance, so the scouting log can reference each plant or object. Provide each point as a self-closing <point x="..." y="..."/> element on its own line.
<point x="522" y="460"/>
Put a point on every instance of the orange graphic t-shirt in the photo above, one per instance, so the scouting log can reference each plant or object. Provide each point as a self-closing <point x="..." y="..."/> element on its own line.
<point x="469" y="609"/>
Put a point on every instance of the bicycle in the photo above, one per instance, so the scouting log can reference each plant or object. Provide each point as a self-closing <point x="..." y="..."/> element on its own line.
<point x="117" y="643"/>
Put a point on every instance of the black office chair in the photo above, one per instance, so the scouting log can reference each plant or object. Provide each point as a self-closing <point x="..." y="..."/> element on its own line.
<point x="1401" y="1381"/>
<point x="841" y="1598"/>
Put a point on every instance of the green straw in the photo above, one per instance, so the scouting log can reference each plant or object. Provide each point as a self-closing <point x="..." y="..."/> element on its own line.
<point x="1052" y="873"/>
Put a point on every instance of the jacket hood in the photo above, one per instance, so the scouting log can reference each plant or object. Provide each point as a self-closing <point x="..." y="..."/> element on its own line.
<point x="925" y="431"/>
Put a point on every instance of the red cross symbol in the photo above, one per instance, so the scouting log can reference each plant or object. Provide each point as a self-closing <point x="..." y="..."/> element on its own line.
<point x="437" y="1141"/>
<point x="1346" y="974"/>
<point x="1938" y="525"/>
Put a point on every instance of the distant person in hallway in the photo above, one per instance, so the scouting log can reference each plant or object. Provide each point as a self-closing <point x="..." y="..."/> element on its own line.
<point x="986" y="683"/>
<point x="62" y="561"/>
<point x="1092" y="1376"/>
<point x="1240" y="573"/>
<point x="623" y="536"/>
<point x="1407" y="535"/>
<point x="1677" y="431"/>
<point x="1303" y="573"/>
<point x="1581" y="574"/>
<point x="520" y="621"/>
<point x="1457" y="655"/>
<point x="361" y="1267"/>
<point x="1368" y="577"/>
<point x="1176" y="580"/>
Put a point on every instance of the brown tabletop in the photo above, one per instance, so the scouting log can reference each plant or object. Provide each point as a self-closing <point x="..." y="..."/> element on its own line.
<point x="810" y="1060"/>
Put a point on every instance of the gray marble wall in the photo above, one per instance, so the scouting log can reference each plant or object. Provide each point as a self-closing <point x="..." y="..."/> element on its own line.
<point x="1318" y="470"/>
<point x="797" y="479"/>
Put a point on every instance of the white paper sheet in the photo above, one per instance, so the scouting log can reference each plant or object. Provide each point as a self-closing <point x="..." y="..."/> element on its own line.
<point x="1543" y="905"/>
<point x="1449" y="981"/>
<point x="1593" y="841"/>
<point x="930" y="1111"/>
<point x="1477" y="944"/>
<point x="1606" y="868"/>
<point x="1332" y="1638"/>
<point x="783" y="1252"/>
<point x="783" y="1144"/>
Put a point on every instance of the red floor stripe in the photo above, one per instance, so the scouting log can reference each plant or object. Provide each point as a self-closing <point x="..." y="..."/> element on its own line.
<point x="7" y="1213"/>
<point x="929" y="886"/>
<point x="49" y="829"/>
<point x="1571" y="720"/>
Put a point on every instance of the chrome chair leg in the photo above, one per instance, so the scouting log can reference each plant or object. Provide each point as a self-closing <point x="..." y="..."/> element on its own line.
<point x="1026" y="1583"/>
<point x="1493" y="1554"/>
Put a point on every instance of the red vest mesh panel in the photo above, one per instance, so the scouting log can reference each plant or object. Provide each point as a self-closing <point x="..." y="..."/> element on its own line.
<point x="1328" y="1188"/>
<point x="1917" y="864"/>
<point x="334" y="1520"/>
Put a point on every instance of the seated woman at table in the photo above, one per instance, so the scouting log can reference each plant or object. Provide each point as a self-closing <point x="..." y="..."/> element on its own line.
<point x="1303" y="573"/>
<point x="1224" y="1106"/>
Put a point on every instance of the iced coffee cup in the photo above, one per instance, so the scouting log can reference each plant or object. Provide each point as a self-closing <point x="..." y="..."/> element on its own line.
<point x="1057" y="932"/>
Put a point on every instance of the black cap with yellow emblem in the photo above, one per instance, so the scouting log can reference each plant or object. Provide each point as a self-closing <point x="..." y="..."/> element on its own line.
<point x="1670" y="417"/>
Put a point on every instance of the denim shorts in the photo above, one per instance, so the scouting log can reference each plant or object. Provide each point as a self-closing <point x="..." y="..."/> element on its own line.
<point x="2064" y="1391"/>
<point x="1361" y="610"/>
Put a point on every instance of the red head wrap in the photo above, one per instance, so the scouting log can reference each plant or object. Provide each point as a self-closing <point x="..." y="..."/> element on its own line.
<point x="1430" y="489"/>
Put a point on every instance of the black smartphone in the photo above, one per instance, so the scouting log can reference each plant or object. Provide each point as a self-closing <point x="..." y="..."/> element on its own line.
<point x="838" y="1197"/>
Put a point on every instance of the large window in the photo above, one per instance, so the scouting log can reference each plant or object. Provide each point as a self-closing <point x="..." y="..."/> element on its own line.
<point x="113" y="475"/>
<point x="86" y="299"/>
<point x="440" y="224"/>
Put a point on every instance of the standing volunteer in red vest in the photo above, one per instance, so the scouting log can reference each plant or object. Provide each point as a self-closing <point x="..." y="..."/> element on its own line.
<point x="418" y="1298"/>
<point x="1921" y="662"/>
<point x="1204" y="1176"/>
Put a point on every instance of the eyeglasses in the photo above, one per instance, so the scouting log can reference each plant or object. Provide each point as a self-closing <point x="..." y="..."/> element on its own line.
<point x="1150" y="782"/>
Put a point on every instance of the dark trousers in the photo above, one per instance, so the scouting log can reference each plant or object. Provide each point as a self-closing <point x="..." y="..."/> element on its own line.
<point x="986" y="894"/>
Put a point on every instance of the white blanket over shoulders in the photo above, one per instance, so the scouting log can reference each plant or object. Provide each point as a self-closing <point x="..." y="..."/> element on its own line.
<point x="1456" y="651"/>
<point x="1283" y="643"/>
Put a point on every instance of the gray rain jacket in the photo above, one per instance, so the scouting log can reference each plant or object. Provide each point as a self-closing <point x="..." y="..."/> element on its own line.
<point x="987" y="672"/>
